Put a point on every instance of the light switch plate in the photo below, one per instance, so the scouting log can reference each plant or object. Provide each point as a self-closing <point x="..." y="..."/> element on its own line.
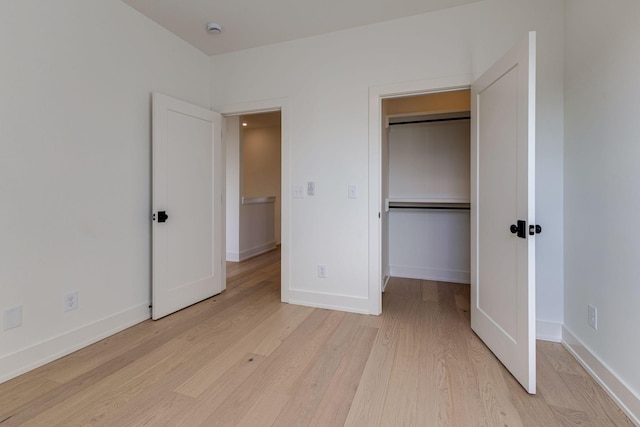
<point x="298" y="192"/>
<point x="353" y="191"/>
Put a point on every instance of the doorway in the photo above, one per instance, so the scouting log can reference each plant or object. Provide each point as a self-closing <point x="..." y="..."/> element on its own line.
<point x="253" y="189"/>
<point x="264" y="120"/>
<point x="379" y="267"/>
<point x="426" y="187"/>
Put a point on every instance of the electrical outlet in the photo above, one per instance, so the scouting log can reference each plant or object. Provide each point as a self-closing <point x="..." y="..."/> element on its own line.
<point x="322" y="271"/>
<point x="592" y="317"/>
<point x="311" y="188"/>
<point x="12" y="317"/>
<point x="71" y="301"/>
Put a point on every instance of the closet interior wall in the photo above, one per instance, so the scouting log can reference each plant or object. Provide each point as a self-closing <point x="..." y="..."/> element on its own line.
<point x="426" y="187"/>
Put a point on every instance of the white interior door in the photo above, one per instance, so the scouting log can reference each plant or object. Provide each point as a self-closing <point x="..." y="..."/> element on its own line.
<point x="502" y="194"/>
<point x="187" y="234"/>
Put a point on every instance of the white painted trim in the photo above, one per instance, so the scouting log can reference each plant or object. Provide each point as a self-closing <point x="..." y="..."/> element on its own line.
<point x="424" y="273"/>
<point x="387" y="276"/>
<point x="255" y="251"/>
<point x="616" y="388"/>
<point x="233" y="256"/>
<point x="376" y="94"/>
<point x="330" y="301"/>
<point x="54" y="348"/>
<point x="282" y="104"/>
<point x="548" y="331"/>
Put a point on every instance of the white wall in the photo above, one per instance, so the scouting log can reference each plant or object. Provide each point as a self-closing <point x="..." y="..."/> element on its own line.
<point x="602" y="182"/>
<point x="233" y="183"/>
<point x="76" y="79"/>
<point x="429" y="160"/>
<point x="261" y="168"/>
<point x="326" y="80"/>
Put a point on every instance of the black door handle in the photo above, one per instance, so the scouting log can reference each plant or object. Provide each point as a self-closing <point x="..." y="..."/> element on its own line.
<point x="519" y="229"/>
<point x="162" y="216"/>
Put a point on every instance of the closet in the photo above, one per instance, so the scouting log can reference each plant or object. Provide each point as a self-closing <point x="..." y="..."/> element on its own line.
<point x="426" y="187"/>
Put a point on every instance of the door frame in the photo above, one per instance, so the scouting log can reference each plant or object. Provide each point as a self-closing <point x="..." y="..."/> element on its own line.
<point x="376" y="95"/>
<point x="265" y="106"/>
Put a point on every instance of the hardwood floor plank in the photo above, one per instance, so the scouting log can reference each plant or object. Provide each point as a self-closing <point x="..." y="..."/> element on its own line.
<point x="402" y="388"/>
<point x="366" y="409"/>
<point x="498" y="408"/>
<point x="20" y="394"/>
<point x="152" y="411"/>
<point x="282" y="368"/>
<point x="277" y="333"/>
<point x="459" y="392"/>
<point x="210" y="400"/>
<point x="551" y="387"/>
<point x="245" y="358"/>
<point x="429" y="291"/>
<point x="334" y="406"/>
<point x="561" y="359"/>
<point x="312" y="384"/>
<point x="266" y="409"/>
<point x="532" y="409"/>
<point x="428" y="410"/>
<point x="598" y="405"/>
<point x="283" y="319"/>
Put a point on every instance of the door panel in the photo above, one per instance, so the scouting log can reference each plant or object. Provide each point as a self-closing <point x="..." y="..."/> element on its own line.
<point x="503" y="177"/>
<point x="187" y="184"/>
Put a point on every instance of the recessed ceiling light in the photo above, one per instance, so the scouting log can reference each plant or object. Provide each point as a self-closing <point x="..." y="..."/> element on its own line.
<point x="244" y="123"/>
<point x="214" y="28"/>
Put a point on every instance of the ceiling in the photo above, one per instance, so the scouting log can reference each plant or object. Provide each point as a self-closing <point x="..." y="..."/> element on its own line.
<point x="261" y="120"/>
<point x="253" y="23"/>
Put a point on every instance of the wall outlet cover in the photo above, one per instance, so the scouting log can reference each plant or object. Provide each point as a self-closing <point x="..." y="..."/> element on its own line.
<point x="12" y="318"/>
<point x="71" y="301"/>
<point x="322" y="271"/>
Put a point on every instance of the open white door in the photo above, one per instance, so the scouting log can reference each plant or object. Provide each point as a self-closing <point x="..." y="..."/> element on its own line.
<point x="503" y="210"/>
<point x="187" y="234"/>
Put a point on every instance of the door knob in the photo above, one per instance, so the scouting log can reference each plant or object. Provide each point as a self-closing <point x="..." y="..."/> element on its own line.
<point x="162" y="216"/>
<point x="519" y="229"/>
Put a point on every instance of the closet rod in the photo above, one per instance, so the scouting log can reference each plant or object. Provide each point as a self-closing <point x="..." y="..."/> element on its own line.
<point x="430" y="121"/>
<point x="449" y="208"/>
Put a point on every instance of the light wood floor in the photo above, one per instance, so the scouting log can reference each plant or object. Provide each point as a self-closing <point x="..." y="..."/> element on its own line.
<point x="243" y="358"/>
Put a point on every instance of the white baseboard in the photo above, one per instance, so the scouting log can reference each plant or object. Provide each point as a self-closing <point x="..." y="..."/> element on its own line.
<point x="548" y="331"/>
<point x="233" y="256"/>
<point x="47" y="351"/>
<point x="250" y="253"/>
<point x="423" y="273"/>
<point x="351" y="304"/>
<point x="386" y="277"/>
<point x="615" y="387"/>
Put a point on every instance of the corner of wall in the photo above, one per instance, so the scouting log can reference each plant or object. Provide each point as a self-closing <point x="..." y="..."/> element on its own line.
<point x="613" y="385"/>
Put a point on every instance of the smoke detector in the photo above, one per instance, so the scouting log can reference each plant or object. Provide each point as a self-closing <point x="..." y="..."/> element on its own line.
<point x="213" y="28"/>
